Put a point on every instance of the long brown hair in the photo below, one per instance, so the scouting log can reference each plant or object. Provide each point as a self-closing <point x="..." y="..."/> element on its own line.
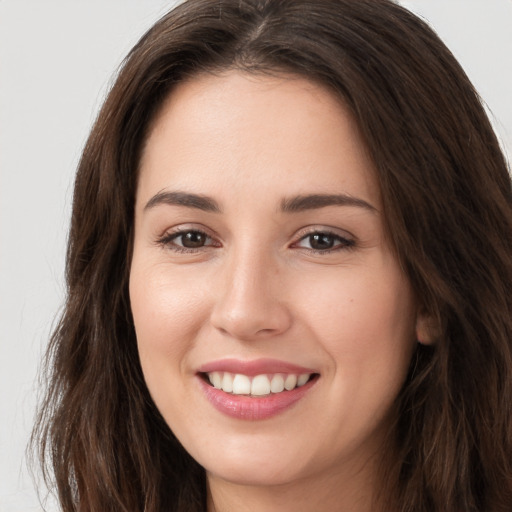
<point x="447" y="199"/>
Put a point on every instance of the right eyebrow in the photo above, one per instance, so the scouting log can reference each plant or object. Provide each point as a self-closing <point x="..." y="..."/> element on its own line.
<point x="186" y="199"/>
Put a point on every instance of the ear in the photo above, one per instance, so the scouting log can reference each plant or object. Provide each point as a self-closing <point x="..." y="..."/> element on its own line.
<point x="425" y="329"/>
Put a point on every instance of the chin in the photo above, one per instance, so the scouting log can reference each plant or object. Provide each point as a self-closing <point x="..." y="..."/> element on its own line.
<point x="256" y="466"/>
<point x="264" y="475"/>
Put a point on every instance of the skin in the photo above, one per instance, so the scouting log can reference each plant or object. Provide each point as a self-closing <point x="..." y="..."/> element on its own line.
<point x="256" y="289"/>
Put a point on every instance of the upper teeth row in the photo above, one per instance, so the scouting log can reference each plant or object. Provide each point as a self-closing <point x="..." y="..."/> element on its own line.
<point x="240" y="384"/>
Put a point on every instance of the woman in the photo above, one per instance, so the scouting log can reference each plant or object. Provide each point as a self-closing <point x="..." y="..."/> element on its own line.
<point x="288" y="273"/>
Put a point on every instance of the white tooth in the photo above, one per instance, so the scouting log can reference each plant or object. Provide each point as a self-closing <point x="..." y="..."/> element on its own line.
<point x="260" y="385"/>
<point x="227" y="382"/>
<point x="290" y="382"/>
<point x="277" y="384"/>
<point x="215" y="379"/>
<point x="302" y="379"/>
<point x="241" y="385"/>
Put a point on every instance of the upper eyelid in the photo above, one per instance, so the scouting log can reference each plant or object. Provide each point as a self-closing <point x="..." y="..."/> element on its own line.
<point x="172" y="235"/>
<point x="185" y="228"/>
<point x="311" y="230"/>
<point x="343" y="241"/>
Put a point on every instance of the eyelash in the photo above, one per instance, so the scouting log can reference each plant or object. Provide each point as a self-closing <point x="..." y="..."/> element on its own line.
<point x="167" y="241"/>
<point x="340" y="242"/>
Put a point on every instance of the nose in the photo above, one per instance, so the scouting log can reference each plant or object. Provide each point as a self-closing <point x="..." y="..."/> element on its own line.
<point x="250" y="299"/>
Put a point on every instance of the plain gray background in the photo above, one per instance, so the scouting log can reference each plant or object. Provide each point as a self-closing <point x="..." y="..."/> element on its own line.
<point x="57" y="59"/>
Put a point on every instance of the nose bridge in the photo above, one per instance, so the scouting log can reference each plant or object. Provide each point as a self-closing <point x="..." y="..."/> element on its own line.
<point x="250" y="302"/>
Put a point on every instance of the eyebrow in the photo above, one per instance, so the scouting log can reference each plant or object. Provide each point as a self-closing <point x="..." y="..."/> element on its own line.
<point x="316" y="201"/>
<point x="186" y="199"/>
<point x="290" y="205"/>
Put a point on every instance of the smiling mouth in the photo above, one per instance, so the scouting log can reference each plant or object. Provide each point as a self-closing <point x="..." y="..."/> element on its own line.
<point x="259" y="385"/>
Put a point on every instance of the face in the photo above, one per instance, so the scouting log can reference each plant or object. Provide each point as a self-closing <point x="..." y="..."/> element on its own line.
<point x="274" y="324"/>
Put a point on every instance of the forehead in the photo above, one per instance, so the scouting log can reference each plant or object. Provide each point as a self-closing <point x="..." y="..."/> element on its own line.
<point x="235" y="131"/>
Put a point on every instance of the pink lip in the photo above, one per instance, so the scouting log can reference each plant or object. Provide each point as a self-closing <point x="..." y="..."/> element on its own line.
<point x="253" y="368"/>
<point x="257" y="408"/>
<point x="253" y="408"/>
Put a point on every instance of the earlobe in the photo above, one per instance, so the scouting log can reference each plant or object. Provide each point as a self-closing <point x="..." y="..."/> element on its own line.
<point x="425" y="330"/>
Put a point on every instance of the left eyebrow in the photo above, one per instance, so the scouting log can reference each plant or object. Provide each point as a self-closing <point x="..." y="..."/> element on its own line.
<point x="316" y="201"/>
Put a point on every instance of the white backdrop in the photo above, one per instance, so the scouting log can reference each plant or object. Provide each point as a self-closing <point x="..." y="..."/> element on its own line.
<point x="57" y="59"/>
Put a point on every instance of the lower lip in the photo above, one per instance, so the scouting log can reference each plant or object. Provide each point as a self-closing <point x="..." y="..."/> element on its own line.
<point x="254" y="408"/>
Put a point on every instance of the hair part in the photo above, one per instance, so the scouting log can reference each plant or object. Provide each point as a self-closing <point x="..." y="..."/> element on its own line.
<point x="447" y="201"/>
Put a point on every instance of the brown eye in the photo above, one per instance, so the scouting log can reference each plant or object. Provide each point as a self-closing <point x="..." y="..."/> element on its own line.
<point x="192" y="239"/>
<point x="324" y="242"/>
<point x="321" y="241"/>
<point x="187" y="241"/>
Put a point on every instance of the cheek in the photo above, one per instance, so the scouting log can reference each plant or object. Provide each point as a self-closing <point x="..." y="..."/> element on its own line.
<point x="366" y="326"/>
<point x="168" y="314"/>
<point x="357" y="297"/>
<point x="365" y="322"/>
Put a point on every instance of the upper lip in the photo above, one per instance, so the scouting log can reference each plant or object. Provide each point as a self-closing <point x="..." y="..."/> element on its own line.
<point x="254" y="367"/>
